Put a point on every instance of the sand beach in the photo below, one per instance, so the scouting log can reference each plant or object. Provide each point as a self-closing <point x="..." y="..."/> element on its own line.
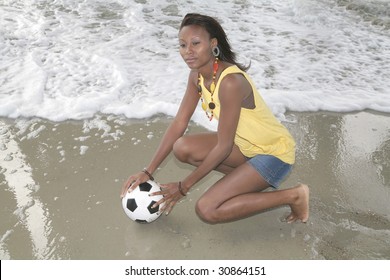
<point x="60" y="184"/>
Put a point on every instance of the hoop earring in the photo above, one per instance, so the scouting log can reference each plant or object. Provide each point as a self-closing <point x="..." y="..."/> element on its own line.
<point x="216" y="52"/>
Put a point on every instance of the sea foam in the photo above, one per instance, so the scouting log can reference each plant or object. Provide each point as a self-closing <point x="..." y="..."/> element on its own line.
<point x="74" y="59"/>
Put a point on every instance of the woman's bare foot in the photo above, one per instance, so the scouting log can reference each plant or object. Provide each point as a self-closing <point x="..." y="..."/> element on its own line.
<point x="300" y="207"/>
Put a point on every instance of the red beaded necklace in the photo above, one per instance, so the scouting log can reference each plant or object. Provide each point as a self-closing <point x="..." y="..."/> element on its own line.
<point x="211" y="106"/>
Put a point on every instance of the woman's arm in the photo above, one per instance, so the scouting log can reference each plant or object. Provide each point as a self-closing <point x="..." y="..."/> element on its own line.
<point x="179" y="124"/>
<point x="175" y="130"/>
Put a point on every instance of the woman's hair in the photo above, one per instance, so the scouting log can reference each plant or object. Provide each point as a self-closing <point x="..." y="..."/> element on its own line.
<point x="215" y="30"/>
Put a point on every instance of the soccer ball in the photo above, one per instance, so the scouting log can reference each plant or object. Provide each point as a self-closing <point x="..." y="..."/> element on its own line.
<point x="138" y="204"/>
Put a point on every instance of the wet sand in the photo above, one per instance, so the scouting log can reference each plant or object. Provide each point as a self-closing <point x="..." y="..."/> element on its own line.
<point x="60" y="186"/>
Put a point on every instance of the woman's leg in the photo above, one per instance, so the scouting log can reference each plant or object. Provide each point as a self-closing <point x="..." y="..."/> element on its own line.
<point x="239" y="195"/>
<point x="193" y="149"/>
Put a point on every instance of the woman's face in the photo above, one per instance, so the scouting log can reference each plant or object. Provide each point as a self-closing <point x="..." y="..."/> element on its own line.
<point x="195" y="46"/>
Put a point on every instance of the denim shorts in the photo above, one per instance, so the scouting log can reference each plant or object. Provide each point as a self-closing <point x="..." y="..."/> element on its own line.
<point x="272" y="169"/>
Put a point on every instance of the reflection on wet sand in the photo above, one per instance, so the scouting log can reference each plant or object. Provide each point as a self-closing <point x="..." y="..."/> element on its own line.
<point x="351" y="202"/>
<point x="31" y="213"/>
<point x="381" y="157"/>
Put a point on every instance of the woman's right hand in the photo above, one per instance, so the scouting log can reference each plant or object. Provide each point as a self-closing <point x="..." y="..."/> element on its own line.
<point x="133" y="182"/>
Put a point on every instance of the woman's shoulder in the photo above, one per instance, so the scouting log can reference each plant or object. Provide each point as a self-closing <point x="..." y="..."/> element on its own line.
<point x="233" y="80"/>
<point x="231" y="69"/>
<point x="232" y="73"/>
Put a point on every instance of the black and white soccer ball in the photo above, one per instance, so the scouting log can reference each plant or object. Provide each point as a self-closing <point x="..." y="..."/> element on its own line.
<point x="138" y="204"/>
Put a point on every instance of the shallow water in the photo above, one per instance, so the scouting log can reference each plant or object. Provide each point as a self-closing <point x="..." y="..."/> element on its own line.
<point x="60" y="185"/>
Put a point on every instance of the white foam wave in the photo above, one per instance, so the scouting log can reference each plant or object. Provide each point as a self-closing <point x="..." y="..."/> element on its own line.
<point x="74" y="59"/>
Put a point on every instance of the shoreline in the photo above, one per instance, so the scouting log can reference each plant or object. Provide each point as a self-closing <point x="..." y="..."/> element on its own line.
<point x="61" y="184"/>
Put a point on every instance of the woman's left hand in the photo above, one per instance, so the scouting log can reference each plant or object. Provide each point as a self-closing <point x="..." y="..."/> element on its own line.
<point x="171" y="195"/>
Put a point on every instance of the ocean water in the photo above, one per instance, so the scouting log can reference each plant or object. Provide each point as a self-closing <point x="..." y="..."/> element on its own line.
<point x="71" y="59"/>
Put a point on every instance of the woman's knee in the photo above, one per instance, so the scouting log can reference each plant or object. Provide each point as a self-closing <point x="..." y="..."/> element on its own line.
<point x="182" y="149"/>
<point x="206" y="213"/>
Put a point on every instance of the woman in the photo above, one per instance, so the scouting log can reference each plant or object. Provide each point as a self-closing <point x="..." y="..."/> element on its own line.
<point x="250" y="146"/>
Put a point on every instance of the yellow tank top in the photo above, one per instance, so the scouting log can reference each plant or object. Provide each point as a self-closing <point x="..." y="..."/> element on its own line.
<point x="258" y="131"/>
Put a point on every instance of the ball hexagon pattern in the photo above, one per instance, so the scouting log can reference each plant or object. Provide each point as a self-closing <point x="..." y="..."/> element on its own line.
<point x="138" y="204"/>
